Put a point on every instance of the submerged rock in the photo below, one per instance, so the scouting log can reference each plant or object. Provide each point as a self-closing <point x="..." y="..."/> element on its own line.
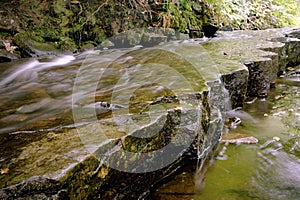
<point x="237" y="138"/>
<point x="290" y="78"/>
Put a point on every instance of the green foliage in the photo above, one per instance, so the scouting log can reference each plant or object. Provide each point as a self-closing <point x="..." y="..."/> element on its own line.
<point x="5" y="34"/>
<point x="254" y="14"/>
<point x="240" y="14"/>
<point x="73" y="23"/>
<point x="65" y="43"/>
<point x="67" y="23"/>
<point x="180" y="15"/>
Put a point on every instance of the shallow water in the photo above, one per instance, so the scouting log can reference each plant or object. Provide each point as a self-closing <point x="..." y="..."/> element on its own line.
<point x="251" y="171"/>
<point x="37" y="98"/>
<point x="104" y="94"/>
<point x="27" y="89"/>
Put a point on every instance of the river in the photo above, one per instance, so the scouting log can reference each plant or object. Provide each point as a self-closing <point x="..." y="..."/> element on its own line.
<point x="40" y="97"/>
<point x="269" y="169"/>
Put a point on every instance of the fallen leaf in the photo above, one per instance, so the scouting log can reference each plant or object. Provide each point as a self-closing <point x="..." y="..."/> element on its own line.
<point x="177" y="107"/>
<point x="103" y="172"/>
<point x="4" y="171"/>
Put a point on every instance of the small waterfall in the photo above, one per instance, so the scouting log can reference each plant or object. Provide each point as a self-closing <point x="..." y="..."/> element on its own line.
<point x="220" y="104"/>
<point x="24" y="72"/>
<point x="28" y="71"/>
<point x="32" y="91"/>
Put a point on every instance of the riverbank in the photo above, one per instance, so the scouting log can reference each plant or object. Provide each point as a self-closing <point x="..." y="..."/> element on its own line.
<point x="39" y="28"/>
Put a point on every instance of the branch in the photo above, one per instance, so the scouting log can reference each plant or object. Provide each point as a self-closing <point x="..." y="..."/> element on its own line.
<point x="89" y="17"/>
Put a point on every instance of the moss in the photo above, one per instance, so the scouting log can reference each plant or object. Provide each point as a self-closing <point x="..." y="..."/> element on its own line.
<point x="182" y="15"/>
<point x="4" y="34"/>
<point x="33" y="44"/>
<point x="78" y="178"/>
<point x="88" y="45"/>
<point x="292" y="146"/>
<point x="66" y="43"/>
<point x="294" y="131"/>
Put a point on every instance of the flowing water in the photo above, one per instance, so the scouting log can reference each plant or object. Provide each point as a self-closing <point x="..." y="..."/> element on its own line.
<point x="28" y="87"/>
<point x="36" y="97"/>
<point x="269" y="169"/>
<point x="43" y="100"/>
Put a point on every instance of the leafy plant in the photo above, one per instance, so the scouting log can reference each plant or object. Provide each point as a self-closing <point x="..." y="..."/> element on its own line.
<point x="254" y="14"/>
<point x="180" y="15"/>
<point x="240" y="14"/>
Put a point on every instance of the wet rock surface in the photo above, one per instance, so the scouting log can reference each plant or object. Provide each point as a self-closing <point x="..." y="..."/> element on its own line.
<point x="8" y="57"/>
<point x="144" y="122"/>
<point x="239" y="139"/>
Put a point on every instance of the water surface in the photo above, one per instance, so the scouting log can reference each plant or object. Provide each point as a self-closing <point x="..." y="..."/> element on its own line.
<point x="266" y="170"/>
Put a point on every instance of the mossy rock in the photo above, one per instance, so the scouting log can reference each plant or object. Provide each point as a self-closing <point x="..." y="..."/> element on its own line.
<point x="292" y="146"/>
<point x="87" y="46"/>
<point x="67" y="44"/>
<point x="34" y="46"/>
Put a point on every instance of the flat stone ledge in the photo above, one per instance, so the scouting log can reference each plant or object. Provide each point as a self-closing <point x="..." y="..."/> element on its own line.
<point x="225" y="72"/>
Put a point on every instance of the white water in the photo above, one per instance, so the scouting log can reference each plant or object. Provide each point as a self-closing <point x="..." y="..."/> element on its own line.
<point x="34" y="90"/>
<point x="28" y="71"/>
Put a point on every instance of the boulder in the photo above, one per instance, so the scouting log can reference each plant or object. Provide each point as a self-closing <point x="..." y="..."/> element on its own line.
<point x="8" y="57"/>
<point x="33" y="46"/>
<point x="196" y="34"/>
<point x="209" y="30"/>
